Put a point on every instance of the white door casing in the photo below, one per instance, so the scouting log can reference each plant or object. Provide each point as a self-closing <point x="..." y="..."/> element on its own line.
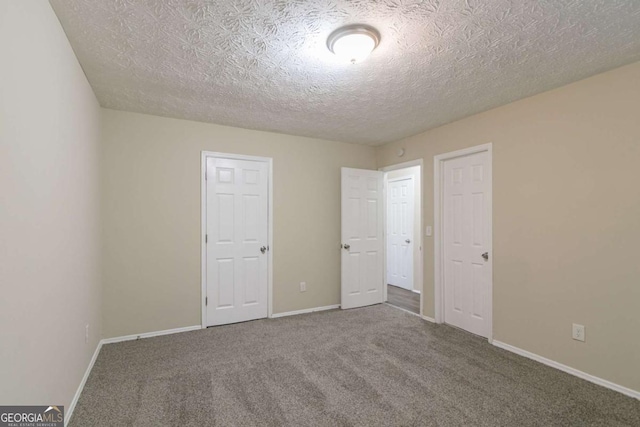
<point x="466" y="242"/>
<point x="400" y="211"/>
<point x="362" y="238"/>
<point x="237" y="241"/>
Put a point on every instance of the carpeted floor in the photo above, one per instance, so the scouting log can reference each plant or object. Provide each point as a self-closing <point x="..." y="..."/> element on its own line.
<point x="362" y="367"/>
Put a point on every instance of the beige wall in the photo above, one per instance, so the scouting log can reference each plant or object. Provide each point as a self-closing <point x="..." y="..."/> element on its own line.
<point x="49" y="259"/>
<point x="417" y="196"/>
<point x="151" y="199"/>
<point x="566" y="219"/>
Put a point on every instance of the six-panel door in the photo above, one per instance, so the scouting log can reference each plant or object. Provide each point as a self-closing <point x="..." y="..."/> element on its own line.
<point x="237" y="227"/>
<point x="362" y="238"/>
<point x="400" y="200"/>
<point x="466" y="218"/>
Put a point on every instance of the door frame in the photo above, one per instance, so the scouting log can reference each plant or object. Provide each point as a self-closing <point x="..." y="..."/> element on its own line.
<point x="402" y="178"/>
<point x="420" y="276"/>
<point x="438" y="191"/>
<point x="203" y="231"/>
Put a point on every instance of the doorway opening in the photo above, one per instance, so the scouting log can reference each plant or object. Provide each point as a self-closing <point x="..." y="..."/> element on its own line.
<point x="403" y="236"/>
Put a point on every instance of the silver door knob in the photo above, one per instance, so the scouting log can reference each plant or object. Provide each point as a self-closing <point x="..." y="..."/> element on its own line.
<point x="263" y="249"/>
<point x="408" y="241"/>
<point x="485" y="256"/>
<point x="346" y="246"/>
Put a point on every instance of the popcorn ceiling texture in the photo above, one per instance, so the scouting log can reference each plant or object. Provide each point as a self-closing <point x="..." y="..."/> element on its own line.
<point x="264" y="64"/>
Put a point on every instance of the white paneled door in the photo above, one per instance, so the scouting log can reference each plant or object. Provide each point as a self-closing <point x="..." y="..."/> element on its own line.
<point x="400" y="213"/>
<point x="466" y="237"/>
<point x="237" y="240"/>
<point x="362" y="238"/>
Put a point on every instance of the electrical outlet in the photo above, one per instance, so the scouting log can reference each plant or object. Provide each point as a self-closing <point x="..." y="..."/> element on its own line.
<point x="303" y="286"/>
<point x="86" y="333"/>
<point x="578" y="332"/>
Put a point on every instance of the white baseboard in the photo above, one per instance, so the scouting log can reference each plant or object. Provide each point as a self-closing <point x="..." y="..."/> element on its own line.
<point x="150" y="334"/>
<point x="306" y="310"/>
<point x="429" y="319"/>
<point x="74" y="401"/>
<point x="568" y="369"/>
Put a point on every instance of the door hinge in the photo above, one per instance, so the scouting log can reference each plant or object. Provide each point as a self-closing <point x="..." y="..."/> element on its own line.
<point x="206" y="300"/>
<point x="206" y="238"/>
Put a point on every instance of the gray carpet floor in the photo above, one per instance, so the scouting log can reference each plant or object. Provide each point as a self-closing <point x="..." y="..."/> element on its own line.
<point x="362" y="367"/>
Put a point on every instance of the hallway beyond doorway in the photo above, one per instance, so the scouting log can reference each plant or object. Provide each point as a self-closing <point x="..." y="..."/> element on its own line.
<point x="403" y="298"/>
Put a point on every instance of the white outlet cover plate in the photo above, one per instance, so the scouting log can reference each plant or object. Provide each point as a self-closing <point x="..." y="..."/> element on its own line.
<point x="578" y="332"/>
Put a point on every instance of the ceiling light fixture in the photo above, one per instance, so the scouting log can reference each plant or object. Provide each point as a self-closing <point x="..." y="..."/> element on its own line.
<point x="353" y="43"/>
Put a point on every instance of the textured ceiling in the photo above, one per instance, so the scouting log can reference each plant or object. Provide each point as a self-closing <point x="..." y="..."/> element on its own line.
<point x="264" y="64"/>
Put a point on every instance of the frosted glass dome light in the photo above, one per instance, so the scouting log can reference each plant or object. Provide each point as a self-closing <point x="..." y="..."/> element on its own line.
<point x="354" y="42"/>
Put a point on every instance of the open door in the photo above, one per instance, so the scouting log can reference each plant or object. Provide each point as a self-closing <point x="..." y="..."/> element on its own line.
<point x="362" y="238"/>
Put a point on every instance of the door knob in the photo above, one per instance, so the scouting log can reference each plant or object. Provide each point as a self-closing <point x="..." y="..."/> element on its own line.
<point x="485" y="256"/>
<point x="346" y="246"/>
<point x="263" y="249"/>
<point x="408" y="241"/>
